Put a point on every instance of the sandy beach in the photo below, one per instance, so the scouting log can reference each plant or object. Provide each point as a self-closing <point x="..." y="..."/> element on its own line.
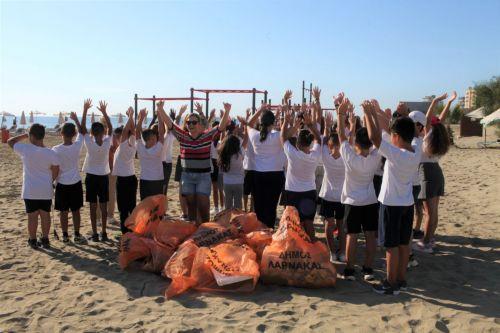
<point x="81" y="287"/>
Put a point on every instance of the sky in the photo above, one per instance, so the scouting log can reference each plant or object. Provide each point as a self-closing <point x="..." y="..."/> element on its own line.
<point x="56" y="54"/>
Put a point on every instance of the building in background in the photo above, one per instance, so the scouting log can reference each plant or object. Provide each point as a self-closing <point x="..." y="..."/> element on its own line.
<point x="470" y="99"/>
<point x="461" y="102"/>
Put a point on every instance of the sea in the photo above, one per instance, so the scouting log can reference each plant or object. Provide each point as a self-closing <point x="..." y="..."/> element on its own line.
<point x="51" y="121"/>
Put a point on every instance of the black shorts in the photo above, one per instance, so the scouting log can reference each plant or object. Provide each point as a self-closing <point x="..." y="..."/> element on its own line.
<point x="377" y="183"/>
<point x="167" y="172"/>
<point x="361" y="218"/>
<point x="214" y="175"/>
<point x="32" y="205"/>
<point x="431" y="181"/>
<point x="96" y="188"/>
<point x="395" y="225"/>
<point x="331" y="209"/>
<point x="248" y="182"/>
<point x="178" y="170"/>
<point x="69" y="197"/>
<point x="416" y="193"/>
<point x="149" y="188"/>
<point x="305" y="202"/>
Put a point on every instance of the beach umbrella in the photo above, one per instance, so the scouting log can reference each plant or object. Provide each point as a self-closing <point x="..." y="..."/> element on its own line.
<point x="23" y="119"/>
<point x="32" y="119"/>
<point x="120" y="118"/>
<point x="60" y="120"/>
<point x="92" y="118"/>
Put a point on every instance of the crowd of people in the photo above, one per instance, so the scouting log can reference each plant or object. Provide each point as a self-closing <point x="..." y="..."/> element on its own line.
<point x="377" y="174"/>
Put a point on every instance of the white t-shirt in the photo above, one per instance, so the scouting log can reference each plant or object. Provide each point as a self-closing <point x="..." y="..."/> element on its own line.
<point x="213" y="151"/>
<point x="300" y="174"/>
<point x="399" y="170"/>
<point x="249" y="158"/>
<point x="150" y="160"/>
<point x="417" y="146"/>
<point x="333" y="179"/>
<point x="123" y="163"/>
<point x="269" y="155"/>
<point x="97" y="157"/>
<point x="236" y="173"/>
<point x="37" y="173"/>
<point x="166" y="153"/>
<point x="425" y="157"/>
<point x="68" y="156"/>
<point x="358" y="187"/>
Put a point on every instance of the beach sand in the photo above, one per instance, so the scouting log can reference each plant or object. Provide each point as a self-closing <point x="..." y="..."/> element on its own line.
<point x="81" y="287"/>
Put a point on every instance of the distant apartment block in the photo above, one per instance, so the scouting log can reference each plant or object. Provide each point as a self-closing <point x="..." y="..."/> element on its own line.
<point x="470" y="99"/>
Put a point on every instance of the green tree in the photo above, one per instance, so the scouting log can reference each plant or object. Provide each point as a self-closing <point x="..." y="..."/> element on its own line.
<point x="488" y="94"/>
<point x="455" y="114"/>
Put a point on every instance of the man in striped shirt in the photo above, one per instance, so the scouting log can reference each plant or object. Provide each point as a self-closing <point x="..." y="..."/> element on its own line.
<point x="195" y="160"/>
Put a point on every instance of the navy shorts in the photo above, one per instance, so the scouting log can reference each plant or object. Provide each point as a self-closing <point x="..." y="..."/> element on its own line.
<point x="331" y="209"/>
<point x="34" y="205"/>
<point x="305" y="202"/>
<point x="96" y="188"/>
<point x="69" y="197"/>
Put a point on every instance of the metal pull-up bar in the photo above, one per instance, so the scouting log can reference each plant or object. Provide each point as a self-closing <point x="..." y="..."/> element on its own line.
<point x="227" y="91"/>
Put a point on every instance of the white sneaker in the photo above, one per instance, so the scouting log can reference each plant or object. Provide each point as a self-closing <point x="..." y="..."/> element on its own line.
<point x="412" y="262"/>
<point x="422" y="247"/>
<point x="333" y="257"/>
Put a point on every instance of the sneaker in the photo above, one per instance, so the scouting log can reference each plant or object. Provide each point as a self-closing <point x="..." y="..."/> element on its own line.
<point x="65" y="237"/>
<point x="422" y="247"/>
<point x="412" y="262"/>
<point x="33" y="243"/>
<point x="368" y="273"/>
<point x="349" y="274"/>
<point x="341" y="256"/>
<point x="94" y="238"/>
<point x="104" y="237"/>
<point x="418" y="234"/>
<point x="402" y="285"/>
<point x="44" y="241"/>
<point x="78" y="239"/>
<point x="385" y="288"/>
<point x="332" y="257"/>
<point x="215" y="211"/>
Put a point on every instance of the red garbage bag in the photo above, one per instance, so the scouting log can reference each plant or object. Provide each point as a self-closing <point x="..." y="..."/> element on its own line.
<point x="178" y="268"/>
<point x="173" y="232"/>
<point x="258" y="240"/>
<point x="292" y="259"/>
<point x="146" y="215"/>
<point x="132" y="248"/>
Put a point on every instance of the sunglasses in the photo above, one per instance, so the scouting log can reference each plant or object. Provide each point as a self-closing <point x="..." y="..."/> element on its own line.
<point x="192" y="122"/>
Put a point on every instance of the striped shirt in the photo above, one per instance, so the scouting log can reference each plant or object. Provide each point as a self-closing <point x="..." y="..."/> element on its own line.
<point x="195" y="152"/>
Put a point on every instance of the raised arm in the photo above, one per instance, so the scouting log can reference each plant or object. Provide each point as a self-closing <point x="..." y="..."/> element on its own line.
<point x="179" y="116"/>
<point x="129" y="126"/>
<point x="102" y="107"/>
<point x="318" y="113"/>
<point x="225" y="117"/>
<point x="74" y="117"/>
<point x="87" y="104"/>
<point x="446" y="109"/>
<point x="138" y="127"/>
<point x="15" y="139"/>
<point x="312" y="126"/>
<point x="252" y="122"/>
<point x="341" y="114"/>
<point x="430" y="111"/>
<point x="371" y="123"/>
<point x="161" y="123"/>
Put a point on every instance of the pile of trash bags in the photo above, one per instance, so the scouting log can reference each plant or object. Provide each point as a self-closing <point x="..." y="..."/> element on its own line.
<point x="229" y="254"/>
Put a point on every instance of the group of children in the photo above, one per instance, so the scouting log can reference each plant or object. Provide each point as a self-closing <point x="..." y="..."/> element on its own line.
<point x="379" y="171"/>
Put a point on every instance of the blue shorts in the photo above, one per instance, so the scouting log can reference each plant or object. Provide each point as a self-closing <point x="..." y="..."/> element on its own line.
<point x="196" y="183"/>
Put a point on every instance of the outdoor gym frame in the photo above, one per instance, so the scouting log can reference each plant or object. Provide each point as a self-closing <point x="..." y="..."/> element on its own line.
<point x="207" y="92"/>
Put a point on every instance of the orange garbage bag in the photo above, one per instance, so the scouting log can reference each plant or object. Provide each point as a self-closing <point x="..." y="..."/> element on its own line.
<point x="292" y="259"/>
<point x="239" y="221"/>
<point x="132" y="248"/>
<point x="173" y="232"/>
<point x="230" y="267"/>
<point x="146" y="215"/>
<point x="258" y="240"/>
<point x="178" y="268"/>
<point x="225" y="216"/>
<point x="211" y="233"/>
<point x="159" y="254"/>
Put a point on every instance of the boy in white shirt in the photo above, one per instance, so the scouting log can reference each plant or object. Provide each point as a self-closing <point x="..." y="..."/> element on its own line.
<point x="358" y="194"/>
<point x="96" y="166"/>
<point x="40" y="169"/>
<point x="69" y="192"/>
<point x="396" y="197"/>
<point x="149" y="150"/>
<point x="124" y="171"/>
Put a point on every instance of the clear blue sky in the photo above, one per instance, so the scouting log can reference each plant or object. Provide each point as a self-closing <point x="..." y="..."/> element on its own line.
<point x="55" y="54"/>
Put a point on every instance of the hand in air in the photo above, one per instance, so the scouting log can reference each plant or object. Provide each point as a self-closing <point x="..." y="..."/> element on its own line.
<point x="316" y="93"/>
<point x="160" y="105"/>
<point x="453" y="96"/>
<point x="87" y="104"/>
<point x="102" y="107"/>
<point x="287" y="96"/>
<point x="198" y="108"/>
<point x="329" y="120"/>
<point x="337" y="100"/>
<point x="73" y="116"/>
<point x="441" y="98"/>
<point x="130" y="112"/>
<point x="142" y="114"/>
<point x="227" y="107"/>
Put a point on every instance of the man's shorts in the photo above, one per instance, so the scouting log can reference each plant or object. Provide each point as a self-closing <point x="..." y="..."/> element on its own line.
<point x="361" y="218"/>
<point x="396" y="224"/>
<point x="69" y="197"/>
<point x="96" y="188"/>
<point x="34" y="205"/>
<point x="331" y="209"/>
<point x="196" y="183"/>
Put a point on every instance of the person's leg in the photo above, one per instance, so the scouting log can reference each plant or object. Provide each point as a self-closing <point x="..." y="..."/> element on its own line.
<point x="76" y="221"/>
<point x="309" y="228"/>
<point x="352" y="242"/>
<point x="112" y="197"/>
<point x="238" y="196"/>
<point x="63" y="218"/>
<point x="418" y="217"/>
<point x="203" y="205"/>
<point x="371" y="248"/>
<point x="435" y="217"/>
<point x="228" y="196"/>
<point x="404" y="255"/>
<point x="341" y="235"/>
<point x="220" y="188"/>
<point x="431" y="210"/>
<point x="93" y="217"/>
<point x="33" y="224"/>
<point x="45" y="218"/>
<point x="392" y="257"/>
<point x="183" y="203"/>
<point x="270" y="195"/>
<point x="215" y="197"/>
<point x="245" y="203"/>
<point x="329" y="229"/>
<point x="104" y="214"/>
<point x="259" y="198"/>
